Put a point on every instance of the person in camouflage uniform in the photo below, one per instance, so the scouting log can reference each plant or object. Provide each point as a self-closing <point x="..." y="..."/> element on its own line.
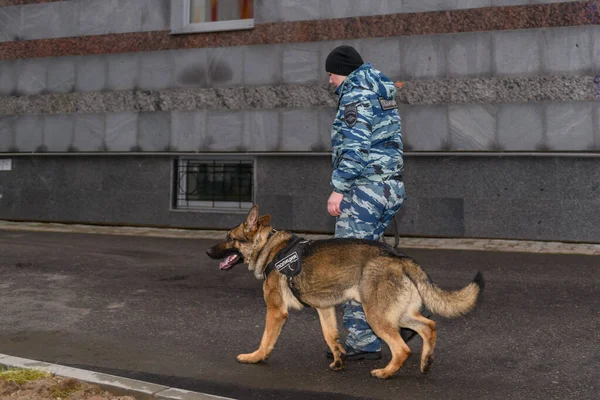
<point x="367" y="153"/>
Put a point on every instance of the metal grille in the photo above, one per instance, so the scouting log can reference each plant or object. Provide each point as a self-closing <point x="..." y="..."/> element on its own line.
<point x="202" y="184"/>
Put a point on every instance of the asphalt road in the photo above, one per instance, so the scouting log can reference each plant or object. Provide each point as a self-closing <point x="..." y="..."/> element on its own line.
<point x="160" y="310"/>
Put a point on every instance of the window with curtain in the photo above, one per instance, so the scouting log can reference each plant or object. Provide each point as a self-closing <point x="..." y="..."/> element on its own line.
<point x="211" y="15"/>
<point x="220" y="10"/>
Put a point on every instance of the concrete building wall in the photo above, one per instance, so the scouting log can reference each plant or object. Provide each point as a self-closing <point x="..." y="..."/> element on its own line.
<point x="548" y="126"/>
<point x="91" y="17"/>
<point x="464" y="92"/>
<point x="82" y="81"/>
<point x="534" y="198"/>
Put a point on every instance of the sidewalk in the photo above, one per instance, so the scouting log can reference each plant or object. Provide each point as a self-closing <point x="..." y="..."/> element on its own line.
<point x="114" y="384"/>
<point x="521" y="246"/>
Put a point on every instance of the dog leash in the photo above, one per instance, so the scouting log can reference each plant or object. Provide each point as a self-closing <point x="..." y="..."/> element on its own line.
<point x="396" y="233"/>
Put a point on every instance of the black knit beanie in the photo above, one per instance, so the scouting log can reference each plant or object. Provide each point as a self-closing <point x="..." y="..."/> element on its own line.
<point x="343" y="60"/>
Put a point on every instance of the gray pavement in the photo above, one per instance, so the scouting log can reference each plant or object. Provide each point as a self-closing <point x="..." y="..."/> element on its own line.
<point x="527" y="246"/>
<point x="156" y="309"/>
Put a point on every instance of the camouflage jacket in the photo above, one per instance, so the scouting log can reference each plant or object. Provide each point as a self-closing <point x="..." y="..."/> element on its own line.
<point x="366" y="137"/>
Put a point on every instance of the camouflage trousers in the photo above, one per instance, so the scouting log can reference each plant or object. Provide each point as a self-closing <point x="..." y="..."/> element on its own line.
<point x="366" y="211"/>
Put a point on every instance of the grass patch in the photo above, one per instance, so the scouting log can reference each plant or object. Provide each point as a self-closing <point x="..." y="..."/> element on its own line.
<point x="57" y="387"/>
<point x="65" y="388"/>
<point x="20" y="376"/>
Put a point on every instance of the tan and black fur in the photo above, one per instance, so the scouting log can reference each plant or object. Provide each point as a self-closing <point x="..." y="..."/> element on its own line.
<point x="391" y="287"/>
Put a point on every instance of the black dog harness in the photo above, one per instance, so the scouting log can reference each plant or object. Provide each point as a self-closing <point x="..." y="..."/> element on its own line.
<point x="288" y="262"/>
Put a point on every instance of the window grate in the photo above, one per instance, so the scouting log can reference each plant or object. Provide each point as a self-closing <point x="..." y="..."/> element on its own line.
<point x="202" y="184"/>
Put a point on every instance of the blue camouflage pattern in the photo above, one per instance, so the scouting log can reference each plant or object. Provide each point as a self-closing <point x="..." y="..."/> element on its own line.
<point x="369" y="147"/>
<point x="360" y="336"/>
<point x="366" y="211"/>
<point x="367" y="153"/>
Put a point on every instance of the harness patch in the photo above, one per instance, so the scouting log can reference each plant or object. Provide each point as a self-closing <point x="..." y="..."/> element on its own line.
<point x="387" y="104"/>
<point x="287" y="262"/>
<point x="350" y="115"/>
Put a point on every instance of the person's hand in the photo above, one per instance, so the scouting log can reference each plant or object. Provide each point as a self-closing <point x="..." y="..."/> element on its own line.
<point x="333" y="204"/>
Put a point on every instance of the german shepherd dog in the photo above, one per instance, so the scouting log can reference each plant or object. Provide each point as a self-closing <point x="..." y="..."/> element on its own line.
<point x="391" y="287"/>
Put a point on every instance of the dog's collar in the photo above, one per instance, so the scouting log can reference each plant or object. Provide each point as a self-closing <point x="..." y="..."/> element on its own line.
<point x="273" y="231"/>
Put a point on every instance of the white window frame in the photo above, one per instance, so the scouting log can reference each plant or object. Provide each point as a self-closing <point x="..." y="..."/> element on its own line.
<point x="180" y="17"/>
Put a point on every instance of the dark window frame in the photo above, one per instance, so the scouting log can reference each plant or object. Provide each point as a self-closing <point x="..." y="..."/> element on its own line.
<point x="213" y="184"/>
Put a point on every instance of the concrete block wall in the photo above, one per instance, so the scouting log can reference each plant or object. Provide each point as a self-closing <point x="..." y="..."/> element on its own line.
<point x="553" y="125"/>
<point x="92" y="17"/>
<point x="504" y="127"/>
<point x="534" y="52"/>
<point x="474" y="127"/>
<point x="81" y="18"/>
<point x="498" y="197"/>
<point x="484" y="91"/>
<point x="178" y="131"/>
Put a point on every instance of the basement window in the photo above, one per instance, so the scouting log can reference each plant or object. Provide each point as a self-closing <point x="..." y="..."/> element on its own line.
<point x="201" y="184"/>
<point x="189" y="16"/>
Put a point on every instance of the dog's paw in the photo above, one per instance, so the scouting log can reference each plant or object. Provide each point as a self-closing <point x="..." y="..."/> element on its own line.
<point x="426" y="364"/>
<point x="336" y="365"/>
<point x="251" y="358"/>
<point x="380" y="373"/>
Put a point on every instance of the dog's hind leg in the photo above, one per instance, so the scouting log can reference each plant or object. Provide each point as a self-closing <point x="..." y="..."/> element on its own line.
<point x="387" y="330"/>
<point x="276" y="316"/>
<point x="384" y="301"/>
<point x="332" y="337"/>
<point x="400" y="351"/>
<point x="428" y="332"/>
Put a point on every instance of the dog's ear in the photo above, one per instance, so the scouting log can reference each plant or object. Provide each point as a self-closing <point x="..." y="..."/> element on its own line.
<point x="265" y="220"/>
<point x="252" y="217"/>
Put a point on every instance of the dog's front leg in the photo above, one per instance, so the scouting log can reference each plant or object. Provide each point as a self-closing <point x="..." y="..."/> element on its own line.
<point x="332" y="337"/>
<point x="275" y="320"/>
<point x="276" y="316"/>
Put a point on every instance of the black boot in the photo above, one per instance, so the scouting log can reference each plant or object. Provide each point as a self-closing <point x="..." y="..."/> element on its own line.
<point x="408" y="334"/>
<point x="355" y="355"/>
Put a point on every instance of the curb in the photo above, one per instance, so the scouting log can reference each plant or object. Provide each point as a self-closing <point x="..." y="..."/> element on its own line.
<point x="115" y="384"/>
<point x="502" y="245"/>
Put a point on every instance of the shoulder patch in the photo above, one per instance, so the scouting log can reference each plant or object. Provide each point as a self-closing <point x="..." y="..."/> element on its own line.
<point x="350" y="115"/>
<point x="387" y="104"/>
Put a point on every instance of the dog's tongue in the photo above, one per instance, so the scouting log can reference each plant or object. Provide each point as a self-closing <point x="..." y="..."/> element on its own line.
<point x="228" y="262"/>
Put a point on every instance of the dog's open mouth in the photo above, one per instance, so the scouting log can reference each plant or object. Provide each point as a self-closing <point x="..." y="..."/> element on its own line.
<point x="229" y="262"/>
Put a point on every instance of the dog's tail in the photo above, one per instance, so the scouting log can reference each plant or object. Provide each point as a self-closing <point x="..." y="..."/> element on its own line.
<point x="441" y="302"/>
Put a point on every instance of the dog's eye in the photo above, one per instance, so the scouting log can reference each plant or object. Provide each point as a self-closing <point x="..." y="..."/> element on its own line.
<point x="228" y="238"/>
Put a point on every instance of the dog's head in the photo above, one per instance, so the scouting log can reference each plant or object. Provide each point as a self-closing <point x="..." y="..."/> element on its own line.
<point x="241" y="241"/>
